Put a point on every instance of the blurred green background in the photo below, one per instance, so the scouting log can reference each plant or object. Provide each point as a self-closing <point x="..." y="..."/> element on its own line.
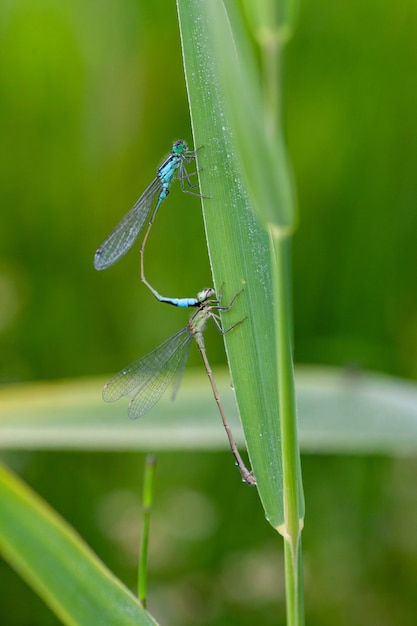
<point x="92" y="95"/>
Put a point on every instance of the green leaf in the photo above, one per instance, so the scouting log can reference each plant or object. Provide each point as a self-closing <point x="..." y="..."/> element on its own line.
<point x="58" y="565"/>
<point x="339" y="411"/>
<point x="236" y="166"/>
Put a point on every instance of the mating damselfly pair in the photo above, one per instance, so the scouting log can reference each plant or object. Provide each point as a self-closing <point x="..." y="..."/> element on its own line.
<point x="148" y="377"/>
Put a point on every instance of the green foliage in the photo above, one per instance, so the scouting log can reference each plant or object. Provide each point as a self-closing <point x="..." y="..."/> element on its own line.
<point x="235" y="115"/>
<point x="55" y="561"/>
<point x="91" y="97"/>
<point x="238" y="245"/>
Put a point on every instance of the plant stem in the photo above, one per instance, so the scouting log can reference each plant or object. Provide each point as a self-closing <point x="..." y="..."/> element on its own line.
<point x="147" y="500"/>
<point x="292" y="493"/>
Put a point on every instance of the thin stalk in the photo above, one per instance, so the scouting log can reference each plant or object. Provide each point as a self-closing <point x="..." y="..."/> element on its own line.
<point x="280" y="245"/>
<point x="147" y="501"/>
<point x="270" y="72"/>
<point x="291" y="529"/>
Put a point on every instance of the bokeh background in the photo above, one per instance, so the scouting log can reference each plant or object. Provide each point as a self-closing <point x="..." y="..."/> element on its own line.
<point x="92" y="95"/>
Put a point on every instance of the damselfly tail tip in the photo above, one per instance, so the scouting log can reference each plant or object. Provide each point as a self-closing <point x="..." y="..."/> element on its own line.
<point x="249" y="479"/>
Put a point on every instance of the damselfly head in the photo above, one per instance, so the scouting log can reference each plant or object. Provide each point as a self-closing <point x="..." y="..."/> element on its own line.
<point x="179" y="147"/>
<point x="206" y="294"/>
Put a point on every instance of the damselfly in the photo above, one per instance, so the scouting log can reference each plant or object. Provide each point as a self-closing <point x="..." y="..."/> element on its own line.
<point x="148" y="377"/>
<point x="122" y="238"/>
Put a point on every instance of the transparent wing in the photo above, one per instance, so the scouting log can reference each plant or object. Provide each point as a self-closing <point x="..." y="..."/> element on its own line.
<point x="180" y="372"/>
<point x="149" y="376"/>
<point x="122" y="238"/>
<point x="154" y="388"/>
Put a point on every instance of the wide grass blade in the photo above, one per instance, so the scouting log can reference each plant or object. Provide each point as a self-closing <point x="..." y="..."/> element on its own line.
<point x="58" y="565"/>
<point x="339" y="411"/>
<point x="240" y="164"/>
